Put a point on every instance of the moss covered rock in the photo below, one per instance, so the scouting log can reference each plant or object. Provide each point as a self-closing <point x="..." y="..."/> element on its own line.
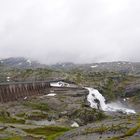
<point x="36" y="115"/>
<point x="87" y="115"/>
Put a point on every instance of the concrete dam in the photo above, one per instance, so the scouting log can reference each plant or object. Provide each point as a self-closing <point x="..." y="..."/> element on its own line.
<point x="19" y="90"/>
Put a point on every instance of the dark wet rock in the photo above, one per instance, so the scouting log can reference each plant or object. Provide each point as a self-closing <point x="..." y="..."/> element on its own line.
<point x="67" y="107"/>
<point x="87" y="104"/>
<point x="2" y="127"/>
<point x="55" y="104"/>
<point x="53" y="116"/>
<point x="64" y="113"/>
<point x="87" y="115"/>
<point x="132" y="90"/>
<point x="103" y="130"/>
<point x="4" y="114"/>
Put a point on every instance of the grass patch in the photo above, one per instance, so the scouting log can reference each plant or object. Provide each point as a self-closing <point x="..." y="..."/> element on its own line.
<point x="6" y="118"/>
<point x="12" y="138"/>
<point x="100" y="130"/>
<point x="114" y="138"/>
<point x="54" y="136"/>
<point x="51" y="132"/>
<point x="11" y="120"/>
<point x="128" y="133"/>
<point x="20" y="115"/>
<point x="36" y="115"/>
<point x="39" y="106"/>
<point x="103" y="128"/>
<point x="132" y="131"/>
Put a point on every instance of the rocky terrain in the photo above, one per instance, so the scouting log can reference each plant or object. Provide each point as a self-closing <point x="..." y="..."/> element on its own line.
<point x="64" y="113"/>
<point x="48" y="117"/>
<point x="23" y="119"/>
<point x="27" y="63"/>
<point x="20" y="62"/>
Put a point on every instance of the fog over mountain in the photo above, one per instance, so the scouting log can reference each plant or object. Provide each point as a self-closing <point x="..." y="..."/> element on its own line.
<point x="77" y="31"/>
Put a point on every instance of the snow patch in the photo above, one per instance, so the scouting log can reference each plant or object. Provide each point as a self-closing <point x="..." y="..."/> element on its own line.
<point x="51" y="94"/>
<point x="29" y="61"/>
<point x="25" y="98"/>
<point x="8" y="79"/>
<point x="94" y="66"/>
<point x="19" y="63"/>
<point x="75" y="124"/>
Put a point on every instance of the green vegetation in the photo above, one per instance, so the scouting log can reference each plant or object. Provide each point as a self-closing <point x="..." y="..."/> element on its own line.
<point x="101" y="129"/>
<point x="20" y="115"/>
<point x="6" y="118"/>
<point x="36" y="115"/>
<point x="128" y="133"/>
<point x="28" y="137"/>
<point x="35" y="105"/>
<point x="111" y="84"/>
<point x="29" y="74"/>
<point x="136" y="98"/>
<point x="11" y="120"/>
<point x="114" y="138"/>
<point x="132" y="131"/>
<point x="51" y="132"/>
<point x="96" y="130"/>
<point x="88" y="115"/>
<point x="12" y="138"/>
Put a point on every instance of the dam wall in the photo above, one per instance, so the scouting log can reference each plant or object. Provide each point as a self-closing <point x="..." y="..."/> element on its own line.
<point x="18" y="90"/>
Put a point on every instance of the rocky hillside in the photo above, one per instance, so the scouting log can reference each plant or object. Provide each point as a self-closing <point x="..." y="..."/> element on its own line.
<point x="120" y="66"/>
<point x="64" y="116"/>
<point x="20" y="62"/>
<point x="48" y="117"/>
<point x="113" y="84"/>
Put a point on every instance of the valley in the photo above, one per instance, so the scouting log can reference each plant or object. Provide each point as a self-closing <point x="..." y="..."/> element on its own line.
<point x="64" y="113"/>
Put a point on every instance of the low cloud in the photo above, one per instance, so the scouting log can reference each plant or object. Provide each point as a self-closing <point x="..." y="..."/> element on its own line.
<point x="78" y="31"/>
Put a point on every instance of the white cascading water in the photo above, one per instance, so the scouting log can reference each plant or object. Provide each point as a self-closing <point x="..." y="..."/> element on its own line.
<point x="97" y="101"/>
<point x="112" y="107"/>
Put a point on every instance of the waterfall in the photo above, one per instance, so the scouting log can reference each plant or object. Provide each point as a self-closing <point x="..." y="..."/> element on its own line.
<point x="97" y="101"/>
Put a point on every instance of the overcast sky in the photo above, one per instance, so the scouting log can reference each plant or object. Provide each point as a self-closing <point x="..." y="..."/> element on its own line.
<point x="77" y="31"/>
